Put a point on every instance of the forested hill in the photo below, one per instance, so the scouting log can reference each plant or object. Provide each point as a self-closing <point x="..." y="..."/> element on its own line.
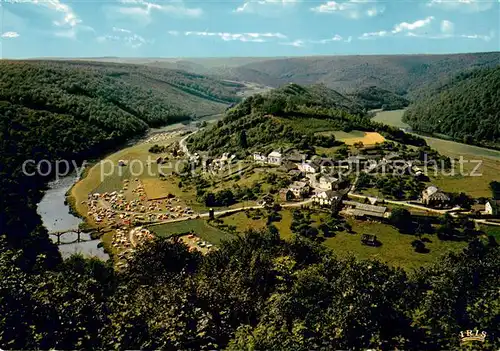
<point x="377" y="98"/>
<point x="402" y="74"/>
<point x="152" y="94"/>
<point x="76" y="111"/>
<point x="467" y="108"/>
<point x="292" y="115"/>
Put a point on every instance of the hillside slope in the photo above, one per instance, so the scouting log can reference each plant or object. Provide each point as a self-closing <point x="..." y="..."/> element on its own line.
<point x="377" y="98"/>
<point x="290" y="116"/>
<point x="398" y="73"/>
<point x="76" y="111"/>
<point x="467" y="108"/>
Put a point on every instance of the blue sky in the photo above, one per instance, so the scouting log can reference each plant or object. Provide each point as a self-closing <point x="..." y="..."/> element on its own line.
<point x="176" y="28"/>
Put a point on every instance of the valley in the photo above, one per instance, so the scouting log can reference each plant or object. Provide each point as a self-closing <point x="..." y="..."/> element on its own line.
<point x="247" y="203"/>
<point x="170" y="199"/>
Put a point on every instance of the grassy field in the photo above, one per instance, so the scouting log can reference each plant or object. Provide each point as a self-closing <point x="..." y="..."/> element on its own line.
<point x="243" y="223"/>
<point x="309" y="125"/>
<point x="391" y="118"/>
<point x="199" y="226"/>
<point x="396" y="249"/>
<point x="476" y="186"/>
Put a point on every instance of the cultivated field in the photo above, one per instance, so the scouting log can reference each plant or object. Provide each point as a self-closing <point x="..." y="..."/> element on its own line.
<point x="356" y="136"/>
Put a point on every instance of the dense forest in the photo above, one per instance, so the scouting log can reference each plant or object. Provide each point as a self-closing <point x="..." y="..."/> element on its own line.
<point x="290" y="116"/>
<point x="402" y="74"/>
<point x="376" y="98"/>
<point x="77" y="111"/>
<point x="467" y="108"/>
<point x="257" y="292"/>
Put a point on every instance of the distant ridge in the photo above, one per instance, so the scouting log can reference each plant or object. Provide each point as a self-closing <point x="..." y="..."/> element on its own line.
<point x="401" y="74"/>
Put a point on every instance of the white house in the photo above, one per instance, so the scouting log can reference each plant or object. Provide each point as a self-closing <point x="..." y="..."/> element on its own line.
<point x="327" y="198"/>
<point x="300" y="189"/>
<point x="492" y="207"/>
<point x="308" y="167"/>
<point x="275" y="158"/>
<point x="258" y="157"/>
<point x="327" y="182"/>
<point x="323" y="182"/>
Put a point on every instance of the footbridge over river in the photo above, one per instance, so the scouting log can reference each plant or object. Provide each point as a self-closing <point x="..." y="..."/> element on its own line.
<point x="78" y="232"/>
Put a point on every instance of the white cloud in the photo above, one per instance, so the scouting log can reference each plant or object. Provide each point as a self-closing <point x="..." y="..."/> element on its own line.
<point x="265" y="7"/>
<point x="466" y="6"/>
<point x="405" y="26"/>
<point x="128" y="38"/>
<point x="296" y="43"/>
<point x="479" y="36"/>
<point x="351" y="8"/>
<point x="69" y="17"/>
<point x="425" y="28"/>
<point x="371" y="35"/>
<point x="336" y="37"/>
<point x="71" y="33"/>
<point x="10" y="35"/>
<point x="64" y="18"/>
<point x="244" y="37"/>
<point x="141" y="10"/>
<point x="121" y="30"/>
<point x="447" y="27"/>
<point x="173" y="32"/>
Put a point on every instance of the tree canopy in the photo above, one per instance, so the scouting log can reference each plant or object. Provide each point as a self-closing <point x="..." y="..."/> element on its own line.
<point x="466" y="108"/>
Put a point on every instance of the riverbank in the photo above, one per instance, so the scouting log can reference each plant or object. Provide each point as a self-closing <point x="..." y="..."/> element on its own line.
<point x="58" y="217"/>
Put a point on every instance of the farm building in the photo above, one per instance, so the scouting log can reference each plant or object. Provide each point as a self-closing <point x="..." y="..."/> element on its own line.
<point x="328" y="198"/>
<point x="492" y="207"/>
<point x="324" y="182"/>
<point x="368" y="239"/>
<point x="357" y="209"/>
<point x="288" y="166"/>
<point x="295" y="156"/>
<point x="295" y="173"/>
<point x="434" y="197"/>
<point x="286" y="195"/>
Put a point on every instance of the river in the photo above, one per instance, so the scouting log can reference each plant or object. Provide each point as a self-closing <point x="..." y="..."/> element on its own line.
<point x="56" y="216"/>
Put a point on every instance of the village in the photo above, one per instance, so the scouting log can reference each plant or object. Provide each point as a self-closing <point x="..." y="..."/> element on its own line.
<point x="138" y="205"/>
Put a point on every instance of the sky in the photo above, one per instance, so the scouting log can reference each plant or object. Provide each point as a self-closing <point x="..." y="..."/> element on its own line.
<point x="225" y="28"/>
